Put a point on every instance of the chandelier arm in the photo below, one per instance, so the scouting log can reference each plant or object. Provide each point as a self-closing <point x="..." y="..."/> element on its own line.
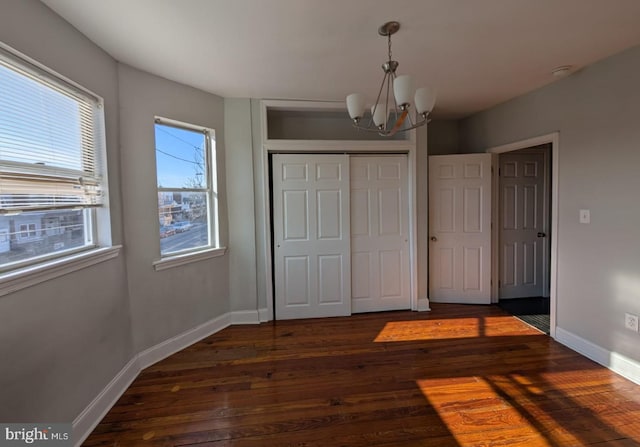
<point x="411" y="123"/>
<point x="392" y="79"/>
<point x="367" y="129"/>
<point x="386" y="100"/>
<point x="418" y="124"/>
<point x="375" y="106"/>
<point x="398" y="126"/>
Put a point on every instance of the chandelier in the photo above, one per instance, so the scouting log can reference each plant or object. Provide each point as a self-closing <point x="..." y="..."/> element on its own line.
<point x="391" y="109"/>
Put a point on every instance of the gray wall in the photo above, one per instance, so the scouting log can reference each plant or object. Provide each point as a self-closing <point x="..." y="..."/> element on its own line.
<point x="168" y="302"/>
<point x="444" y="137"/>
<point x="63" y="340"/>
<point x="596" y="112"/>
<point x="240" y="194"/>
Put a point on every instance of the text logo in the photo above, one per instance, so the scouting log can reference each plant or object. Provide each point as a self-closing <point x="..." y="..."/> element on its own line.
<point x="35" y="435"/>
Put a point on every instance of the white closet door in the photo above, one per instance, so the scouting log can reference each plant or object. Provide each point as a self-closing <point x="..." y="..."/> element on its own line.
<point x="312" y="259"/>
<point x="380" y="277"/>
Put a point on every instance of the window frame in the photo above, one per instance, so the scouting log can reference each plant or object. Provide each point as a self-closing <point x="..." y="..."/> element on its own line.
<point x="213" y="248"/>
<point x="98" y="245"/>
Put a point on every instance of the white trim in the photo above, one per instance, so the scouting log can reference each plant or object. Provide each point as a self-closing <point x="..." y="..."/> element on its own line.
<point x="245" y="317"/>
<point x="617" y="363"/>
<point x="412" y="190"/>
<point x="91" y="416"/>
<point x="266" y="206"/>
<point x="264" y="314"/>
<point x="188" y="258"/>
<point x="29" y="276"/>
<point x="495" y="228"/>
<point x="423" y="305"/>
<point x="169" y="347"/>
<point x="301" y="146"/>
<point x="87" y="421"/>
<point x="554" y="139"/>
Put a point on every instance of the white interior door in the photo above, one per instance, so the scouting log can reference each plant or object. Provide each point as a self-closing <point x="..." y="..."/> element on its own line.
<point x="460" y="228"/>
<point x="380" y="277"/>
<point x="523" y="237"/>
<point x="312" y="262"/>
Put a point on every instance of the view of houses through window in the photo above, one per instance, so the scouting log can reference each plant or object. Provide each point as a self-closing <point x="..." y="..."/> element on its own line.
<point x="50" y="175"/>
<point x="186" y="187"/>
<point x="33" y="234"/>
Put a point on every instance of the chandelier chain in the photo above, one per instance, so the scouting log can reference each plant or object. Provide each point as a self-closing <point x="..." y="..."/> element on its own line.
<point x="389" y="40"/>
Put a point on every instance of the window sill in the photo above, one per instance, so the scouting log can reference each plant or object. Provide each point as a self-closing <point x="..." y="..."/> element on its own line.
<point x="29" y="276"/>
<point x="188" y="258"/>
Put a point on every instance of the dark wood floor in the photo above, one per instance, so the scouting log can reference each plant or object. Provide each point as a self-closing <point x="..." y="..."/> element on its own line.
<point x="457" y="376"/>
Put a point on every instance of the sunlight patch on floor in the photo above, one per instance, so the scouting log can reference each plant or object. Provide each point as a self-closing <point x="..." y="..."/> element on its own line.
<point x="429" y="330"/>
<point x="471" y="408"/>
<point x="458" y="328"/>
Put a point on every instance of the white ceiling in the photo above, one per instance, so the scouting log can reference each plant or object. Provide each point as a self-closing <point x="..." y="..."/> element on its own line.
<point x="476" y="53"/>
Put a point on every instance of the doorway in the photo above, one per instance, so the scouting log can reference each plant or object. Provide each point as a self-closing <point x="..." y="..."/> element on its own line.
<point x="525" y="237"/>
<point x="523" y="227"/>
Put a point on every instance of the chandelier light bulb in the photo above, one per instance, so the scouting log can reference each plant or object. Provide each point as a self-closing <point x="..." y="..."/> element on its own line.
<point x="402" y="90"/>
<point x="425" y="99"/>
<point x="355" y="105"/>
<point x="379" y="114"/>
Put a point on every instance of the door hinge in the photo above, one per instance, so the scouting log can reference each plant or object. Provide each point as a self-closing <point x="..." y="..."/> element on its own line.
<point x="499" y="283"/>
<point x="499" y="173"/>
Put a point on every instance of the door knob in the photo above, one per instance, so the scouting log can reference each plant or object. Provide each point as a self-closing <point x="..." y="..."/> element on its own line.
<point x="434" y="239"/>
<point x="541" y="234"/>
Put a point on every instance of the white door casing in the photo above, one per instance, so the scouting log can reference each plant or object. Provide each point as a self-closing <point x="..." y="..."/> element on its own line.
<point x="523" y="224"/>
<point x="460" y="228"/>
<point x="380" y="272"/>
<point x="311" y="236"/>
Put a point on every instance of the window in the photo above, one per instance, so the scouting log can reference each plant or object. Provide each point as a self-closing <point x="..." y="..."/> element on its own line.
<point x="187" y="189"/>
<point x="51" y="175"/>
<point x="27" y="231"/>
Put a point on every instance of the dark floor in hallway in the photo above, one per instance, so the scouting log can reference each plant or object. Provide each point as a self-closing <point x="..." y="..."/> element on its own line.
<point x="534" y="311"/>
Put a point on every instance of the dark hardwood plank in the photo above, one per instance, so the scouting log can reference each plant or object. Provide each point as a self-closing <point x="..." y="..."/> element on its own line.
<point x="457" y="376"/>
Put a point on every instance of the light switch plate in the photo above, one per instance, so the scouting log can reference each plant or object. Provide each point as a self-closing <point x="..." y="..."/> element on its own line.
<point x="585" y="216"/>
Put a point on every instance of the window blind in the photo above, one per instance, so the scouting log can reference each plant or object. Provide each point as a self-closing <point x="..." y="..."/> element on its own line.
<point x="49" y="137"/>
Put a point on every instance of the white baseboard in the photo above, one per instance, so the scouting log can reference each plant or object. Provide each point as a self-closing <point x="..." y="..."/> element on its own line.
<point x="245" y="317"/>
<point x="423" y="304"/>
<point x="617" y="363"/>
<point x="264" y="315"/>
<point x="169" y="347"/>
<point x="86" y="421"/>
